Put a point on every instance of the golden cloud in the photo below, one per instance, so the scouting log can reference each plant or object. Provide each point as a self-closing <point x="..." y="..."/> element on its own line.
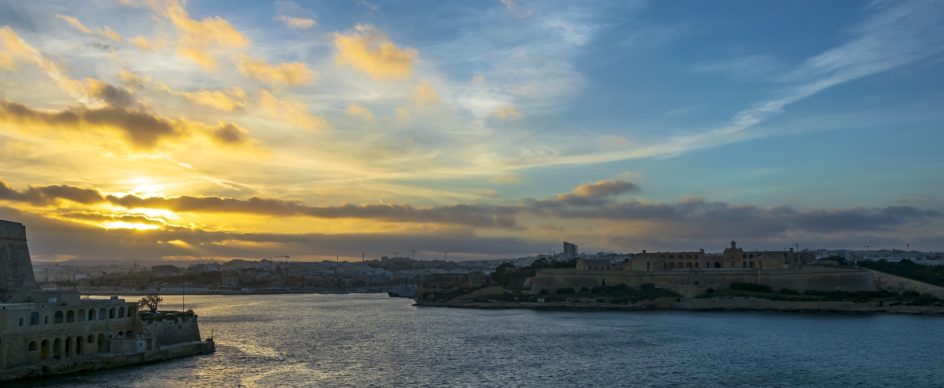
<point x="509" y="179"/>
<point x="424" y="94"/>
<point x="293" y="112"/>
<point x="296" y="22"/>
<point x="508" y="112"/>
<point x="75" y="23"/>
<point x="198" y="37"/>
<point x="371" y="52"/>
<point x="290" y="73"/>
<point x="217" y="99"/>
<point x="360" y="111"/>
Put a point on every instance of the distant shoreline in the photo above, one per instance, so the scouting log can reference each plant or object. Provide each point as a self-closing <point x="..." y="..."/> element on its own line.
<point x="201" y="293"/>
<point x="707" y="305"/>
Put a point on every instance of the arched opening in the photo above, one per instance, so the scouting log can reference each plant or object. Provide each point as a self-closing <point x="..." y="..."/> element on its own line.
<point x="58" y="317"/>
<point x="80" y="316"/>
<point x="121" y="334"/>
<point x="131" y="311"/>
<point x="79" y="346"/>
<point x="671" y="265"/>
<point x="688" y="264"/>
<point x="648" y="266"/>
<point x="44" y="349"/>
<point x="121" y="312"/>
<point x="90" y="340"/>
<point x="101" y="313"/>
<point x="70" y="316"/>
<point x="68" y="352"/>
<point x="34" y="318"/>
<point x="717" y="264"/>
<point x="750" y="264"/>
<point x="57" y="348"/>
<point x="45" y="319"/>
<point x="91" y="315"/>
<point x="33" y="346"/>
<point x="111" y="313"/>
<point x="101" y="342"/>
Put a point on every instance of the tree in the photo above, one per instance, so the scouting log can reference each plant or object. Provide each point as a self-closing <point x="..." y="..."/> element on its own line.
<point x="151" y="302"/>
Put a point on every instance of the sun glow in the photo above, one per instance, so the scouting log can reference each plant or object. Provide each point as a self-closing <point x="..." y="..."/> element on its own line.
<point x="129" y="225"/>
<point x="145" y="187"/>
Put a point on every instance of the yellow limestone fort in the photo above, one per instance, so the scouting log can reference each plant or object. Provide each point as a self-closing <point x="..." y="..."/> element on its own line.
<point x="54" y="332"/>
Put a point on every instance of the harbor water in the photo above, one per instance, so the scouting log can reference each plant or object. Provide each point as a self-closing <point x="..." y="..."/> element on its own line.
<point x="373" y="340"/>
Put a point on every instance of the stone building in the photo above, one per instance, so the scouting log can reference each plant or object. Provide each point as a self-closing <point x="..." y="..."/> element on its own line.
<point x="51" y="332"/>
<point x="732" y="257"/>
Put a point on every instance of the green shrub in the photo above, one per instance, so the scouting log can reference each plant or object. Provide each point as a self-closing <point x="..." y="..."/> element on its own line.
<point x="750" y="287"/>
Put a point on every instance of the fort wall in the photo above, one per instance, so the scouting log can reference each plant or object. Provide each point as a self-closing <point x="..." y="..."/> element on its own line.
<point x="694" y="282"/>
<point x="897" y="283"/>
<point x="171" y="328"/>
<point x="17" y="270"/>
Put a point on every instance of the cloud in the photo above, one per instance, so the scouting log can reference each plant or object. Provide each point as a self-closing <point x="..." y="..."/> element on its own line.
<point x="229" y="133"/>
<point x="507" y="112"/>
<point x="217" y="99"/>
<point x="55" y="238"/>
<point x="360" y="111"/>
<point x="370" y="51"/>
<point x="296" y="22"/>
<point x="292" y="112"/>
<point x="140" y="128"/>
<point x="424" y="95"/>
<point x="198" y="38"/>
<point x="13" y="49"/>
<point x="596" y="193"/>
<point x="743" y="67"/>
<point x="110" y="94"/>
<point x="105" y="32"/>
<point x="290" y="73"/>
<point x="44" y="195"/>
<point x="75" y="23"/>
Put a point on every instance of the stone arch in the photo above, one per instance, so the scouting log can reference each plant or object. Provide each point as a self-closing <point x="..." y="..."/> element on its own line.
<point x="58" y="317"/>
<point x="33" y="346"/>
<point x="70" y="316"/>
<point x="68" y="347"/>
<point x="102" y="313"/>
<point x="121" y="312"/>
<point x="79" y="345"/>
<point x="91" y="314"/>
<point x="34" y="318"/>
<point x="80" y="315"/>
<point x="101" y="342"/>
<point x="717" y="264"/>
<point x="57" y="348"/>
<point x="111" y="313"/>
<point x="44" y="350"/>
<point x="688" y="264"/>
<point x="90" y="339"/>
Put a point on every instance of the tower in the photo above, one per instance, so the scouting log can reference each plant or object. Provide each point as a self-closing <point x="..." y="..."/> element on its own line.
<point x="16" y="270"/>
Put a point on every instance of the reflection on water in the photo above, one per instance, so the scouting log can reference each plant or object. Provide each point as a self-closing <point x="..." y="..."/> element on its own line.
<point x="363" y="340"/>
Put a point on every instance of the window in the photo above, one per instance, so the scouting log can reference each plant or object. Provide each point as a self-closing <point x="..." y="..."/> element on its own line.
<point x="21" y="321"/>
<point x="91" y="315"/>
<point x="70" y="316"/>
<point x="111" y="313"/>
<point x="34" y="318"/>
<point x="33" y="346"/>
<point x="58" y="317"/>
<point x="121" y="312"/>
<point x="45" y="319"/>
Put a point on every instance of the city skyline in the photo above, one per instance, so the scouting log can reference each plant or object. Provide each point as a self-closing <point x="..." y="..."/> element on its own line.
<point x="165" y="129"/>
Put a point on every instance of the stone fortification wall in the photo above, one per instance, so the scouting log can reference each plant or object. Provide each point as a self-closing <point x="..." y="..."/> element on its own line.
<point x="694" y="282"/>
<point x="897" y="283"/>
<point x="16" y="270"/>
<point x="171" y="328"/>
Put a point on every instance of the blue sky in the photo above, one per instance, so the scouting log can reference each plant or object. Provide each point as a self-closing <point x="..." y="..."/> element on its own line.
<point x="622" y="125"/>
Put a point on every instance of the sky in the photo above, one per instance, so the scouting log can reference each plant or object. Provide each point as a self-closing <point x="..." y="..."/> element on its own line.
<point x="204" y="129"/>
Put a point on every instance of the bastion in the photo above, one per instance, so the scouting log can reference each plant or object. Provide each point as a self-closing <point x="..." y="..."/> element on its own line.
<point x="45" y="332"/>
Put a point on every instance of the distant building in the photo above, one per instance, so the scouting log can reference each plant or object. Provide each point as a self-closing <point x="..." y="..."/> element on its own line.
<point x="570" y="251"/>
